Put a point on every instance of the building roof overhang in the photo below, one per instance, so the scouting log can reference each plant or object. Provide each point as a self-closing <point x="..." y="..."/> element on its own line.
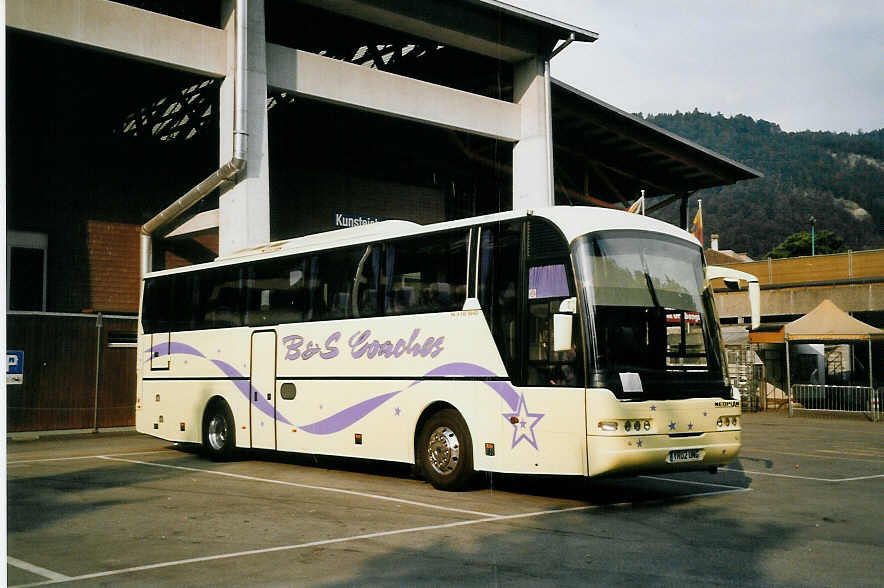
<point x="621" y="154"/>
<point x="487" y="27"/>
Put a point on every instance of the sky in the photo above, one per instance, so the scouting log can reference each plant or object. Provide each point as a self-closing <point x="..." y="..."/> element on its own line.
<point x="804" y="64"/>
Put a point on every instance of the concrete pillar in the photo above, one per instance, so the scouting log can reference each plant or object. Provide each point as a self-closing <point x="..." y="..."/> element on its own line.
<point x="532" y="154"/>
<point x="244" y="208"/>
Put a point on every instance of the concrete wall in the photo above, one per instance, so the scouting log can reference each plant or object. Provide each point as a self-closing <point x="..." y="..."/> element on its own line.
<point x="854" y="281"/>
<point x="329" y="193"/>
<point x="800" y="300"/>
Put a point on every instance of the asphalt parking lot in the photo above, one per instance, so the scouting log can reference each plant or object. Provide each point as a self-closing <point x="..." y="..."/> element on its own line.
<point x="802" y="506"/>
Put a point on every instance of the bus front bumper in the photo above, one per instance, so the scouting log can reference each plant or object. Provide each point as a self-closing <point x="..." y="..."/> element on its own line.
<point x="628" y="454"/>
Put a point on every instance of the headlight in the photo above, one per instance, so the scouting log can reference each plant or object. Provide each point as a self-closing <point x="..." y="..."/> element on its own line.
<point x="720" y="422"/>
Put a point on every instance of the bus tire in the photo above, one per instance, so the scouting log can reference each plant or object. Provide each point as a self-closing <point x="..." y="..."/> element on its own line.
<point x="219" y="432"/>
<point x="446" y="451"/>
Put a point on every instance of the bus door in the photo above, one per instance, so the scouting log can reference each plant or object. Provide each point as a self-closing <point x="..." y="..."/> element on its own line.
<point x="262" y="408"/>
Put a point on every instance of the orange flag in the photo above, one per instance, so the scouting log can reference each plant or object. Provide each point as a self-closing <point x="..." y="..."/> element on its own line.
<point x="637" y="206"/>
<point x="698" y="222"/>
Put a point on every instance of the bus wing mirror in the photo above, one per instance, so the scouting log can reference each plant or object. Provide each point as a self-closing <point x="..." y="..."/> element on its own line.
<point x="755" y="302"/>
<point x="732" y="279"/>
<point x="563" y="325"/>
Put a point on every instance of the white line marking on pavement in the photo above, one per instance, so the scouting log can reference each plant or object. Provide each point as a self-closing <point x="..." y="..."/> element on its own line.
<point x="23" y="565"/>
<point x="87" y="456"/>
<point x="745" y="450"/>
<point x="491" y="519"/>
<point x="805" y="477"/>
<point x="308" y="486"/>
<point x="694" y="483"/>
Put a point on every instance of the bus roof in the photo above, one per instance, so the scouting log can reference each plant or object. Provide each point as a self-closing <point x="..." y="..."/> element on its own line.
<point x="573" y="221"/>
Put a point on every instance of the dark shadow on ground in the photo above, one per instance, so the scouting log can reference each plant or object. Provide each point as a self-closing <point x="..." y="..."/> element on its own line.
<point x="644" y="545"/>
<point x="598" y="491"/>
<point x="37" y="501"/>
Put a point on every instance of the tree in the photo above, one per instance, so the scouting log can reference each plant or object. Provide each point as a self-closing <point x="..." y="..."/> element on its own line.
<point x="798" y="244"/>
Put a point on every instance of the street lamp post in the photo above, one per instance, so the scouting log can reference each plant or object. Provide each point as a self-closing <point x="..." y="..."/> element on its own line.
<point x="812" y="236"/>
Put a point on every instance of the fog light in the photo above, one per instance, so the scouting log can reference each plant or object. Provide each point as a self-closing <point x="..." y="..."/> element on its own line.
<point x="647" y="425"/>
<point x="636" y="425"/>
<point x="727" y="421"/>
<point x="735" y="421"/>
<point x="720" y="422"/>
<point x="607" y="426"/>
<point x="627" y="426"/>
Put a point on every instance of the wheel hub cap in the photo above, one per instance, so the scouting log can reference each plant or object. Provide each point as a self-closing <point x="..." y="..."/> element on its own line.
<point x="217" y="432"/>
<point x="443" y="450"/>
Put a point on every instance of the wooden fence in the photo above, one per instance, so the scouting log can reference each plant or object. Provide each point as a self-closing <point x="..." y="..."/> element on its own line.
<point x="838" y="267"/>
<point x="78" y="371"/>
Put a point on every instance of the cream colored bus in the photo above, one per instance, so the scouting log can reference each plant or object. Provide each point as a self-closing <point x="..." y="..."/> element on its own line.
<point x="572" y="341"/>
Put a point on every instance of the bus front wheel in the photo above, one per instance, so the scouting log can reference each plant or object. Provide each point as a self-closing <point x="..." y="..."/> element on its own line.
<point x="446" y="451"/>
<point x="219" y="433"/>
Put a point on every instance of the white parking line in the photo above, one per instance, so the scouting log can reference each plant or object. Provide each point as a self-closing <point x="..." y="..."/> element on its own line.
<point x="710" y="484"/>
<point x="86" y="457"/>
<point x="491" y="519"/>
<point x="804" y="477"/>
<point x="308" y="486"/>
<point x="23" y="565"/>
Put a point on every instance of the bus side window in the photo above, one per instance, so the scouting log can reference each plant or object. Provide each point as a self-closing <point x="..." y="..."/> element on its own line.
<point x="548" y="286"/>
<point x="426" y="274"/>
<point x="185" y="299"/>
<point x="277" y="291"/>
<point x="368" y="289"/>
<point x="157" y="301"/>
<point x="335" y="278"/>
<point x="499" y="254"/>
<point x="219" y="299"/>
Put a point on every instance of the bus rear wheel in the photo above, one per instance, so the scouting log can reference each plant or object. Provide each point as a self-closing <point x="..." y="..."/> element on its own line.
<point x="446" y="451"/>
<point x="219" y="433"/>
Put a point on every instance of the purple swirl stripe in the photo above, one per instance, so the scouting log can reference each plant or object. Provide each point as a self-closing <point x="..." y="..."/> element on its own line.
<point x="353" y="414"/>
<point x="348" y="416"/>
<point x="238" y="379"/>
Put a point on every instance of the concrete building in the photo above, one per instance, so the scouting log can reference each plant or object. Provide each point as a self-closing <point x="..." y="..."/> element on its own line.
<point x="274" y="119"/>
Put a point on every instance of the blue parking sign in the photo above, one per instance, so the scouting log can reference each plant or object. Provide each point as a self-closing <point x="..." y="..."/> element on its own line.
<point x="15" y="367"/>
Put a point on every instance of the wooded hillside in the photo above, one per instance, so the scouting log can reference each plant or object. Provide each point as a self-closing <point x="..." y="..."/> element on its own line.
<point x="836" y="177"/>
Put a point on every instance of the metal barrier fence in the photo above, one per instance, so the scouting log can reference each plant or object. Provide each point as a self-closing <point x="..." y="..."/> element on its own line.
<point x="862" y="399"/>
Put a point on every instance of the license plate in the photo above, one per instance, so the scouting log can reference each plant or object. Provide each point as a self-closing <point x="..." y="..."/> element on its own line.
<point x="680" y="455"/>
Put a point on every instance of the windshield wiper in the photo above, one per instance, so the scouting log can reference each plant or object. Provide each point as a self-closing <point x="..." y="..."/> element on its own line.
<point x="647" y="273"/>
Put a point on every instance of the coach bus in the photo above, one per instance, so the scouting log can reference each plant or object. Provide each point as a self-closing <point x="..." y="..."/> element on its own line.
<point x="572" y="341"/>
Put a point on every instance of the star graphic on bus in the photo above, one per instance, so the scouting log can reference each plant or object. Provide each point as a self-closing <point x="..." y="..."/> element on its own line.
<point x="523" y="427"/>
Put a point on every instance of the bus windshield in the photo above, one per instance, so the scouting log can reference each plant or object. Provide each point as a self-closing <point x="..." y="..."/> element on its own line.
<point x="650" y="320"/>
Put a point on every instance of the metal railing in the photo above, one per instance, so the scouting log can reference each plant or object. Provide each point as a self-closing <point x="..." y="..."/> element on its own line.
<point x="862" y="399"/>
